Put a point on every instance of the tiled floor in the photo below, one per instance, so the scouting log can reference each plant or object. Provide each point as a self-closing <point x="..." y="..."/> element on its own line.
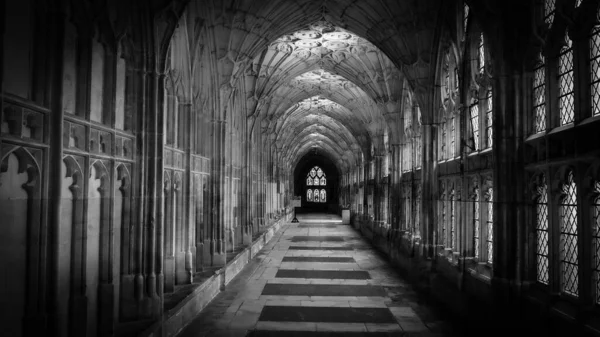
<point x="317" y="278"/>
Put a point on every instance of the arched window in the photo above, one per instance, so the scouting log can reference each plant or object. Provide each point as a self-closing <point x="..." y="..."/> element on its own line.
<point x="541" y="230"/>
<point x="539" y="96"/>
<point x="316" y="177"/>
<point x="465" y="17"/>
<point x="549" y="8"/>
<point x="481" y="55"/>
<point x="595" y="68"/>
<point x="568" y="238"/>
<point x="565" y="83"/>
<point x="474" y="112"/>
<point x="489" y="120"/>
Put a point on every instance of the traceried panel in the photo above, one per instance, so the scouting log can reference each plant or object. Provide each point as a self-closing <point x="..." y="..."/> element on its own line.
<point x="596" y="242"/>
<point x="452" y="220"/>
<point x="568" y="238"/>
<point x="542" y="243"/>
<point x="444" y="220"/>
<point x="476" y="224"/>
<point x="549" y="8"/>
<point x="474" y="112"/>
<point x="565" y="83"/>
<point x="489" y="120"/>
<point x="539" y="96"/>
<point x="452" y="137"/>
<point x="595" y="69"/>
<point x="490" y="227"/>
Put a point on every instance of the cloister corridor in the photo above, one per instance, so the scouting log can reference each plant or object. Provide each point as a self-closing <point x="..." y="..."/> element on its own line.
<point x="154" y="154"/>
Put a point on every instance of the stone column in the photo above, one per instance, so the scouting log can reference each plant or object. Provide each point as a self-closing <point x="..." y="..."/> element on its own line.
<point x="429" y="189"/>
<point x="510" y="229"/>
<point x="218" y="244"/>
<point x="56" y="151"/>
<point x="183" y="253"/>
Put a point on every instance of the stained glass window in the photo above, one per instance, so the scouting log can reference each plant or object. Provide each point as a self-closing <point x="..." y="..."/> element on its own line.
<point x="596" y="241"/>
<point x="549" y="7"/>
<point x="489" y="120"/>
<point x="481" y="55"/>
<point x="541" y="225"/>
<point x="595" y="68"/>
<point x="539" y="96"/>
<point x="476" y="224"/>
<point x="490" y="227"/>
<point x="316" y="177"/>
<point x="474" y="112"/>
<point x="568" y="238"/>
<point x="565" y="80"/>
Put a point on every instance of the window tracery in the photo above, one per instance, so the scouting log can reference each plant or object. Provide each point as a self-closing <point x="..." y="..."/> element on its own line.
<point x="542" y="237"/>
<point x="489" y="130"/>
<point x="549" y="8"/>
<point x="474" y="115"/>
<point x="316" y="177"/>
<point x="539" y="96"/>
<point x="565" y="79"/>
<point x="596" y="242"/>
<point x="568" y="238"/>
<point x="595" y="68"/>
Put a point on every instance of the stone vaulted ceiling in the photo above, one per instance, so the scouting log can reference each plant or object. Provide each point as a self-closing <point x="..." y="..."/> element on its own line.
<point x="326" y="88"/>
<point x="329" y="74"/>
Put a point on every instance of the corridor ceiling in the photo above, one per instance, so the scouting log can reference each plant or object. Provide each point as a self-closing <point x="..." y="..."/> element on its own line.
<point x="320" y="73"/>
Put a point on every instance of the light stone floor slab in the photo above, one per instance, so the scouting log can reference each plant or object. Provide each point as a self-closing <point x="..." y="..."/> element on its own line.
<point x="236" y="310"/>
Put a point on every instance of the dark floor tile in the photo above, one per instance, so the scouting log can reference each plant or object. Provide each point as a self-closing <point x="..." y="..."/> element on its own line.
<point x="275" y="333"/>
<point x="326" y="315"/>
<point x="322" y="290"/>
<point x="320" y="248"/>
<point x="339" y="259"/>
<point x="317" y="226"/>
<point x="324" y="274"/>
<point x="317" y="238"/>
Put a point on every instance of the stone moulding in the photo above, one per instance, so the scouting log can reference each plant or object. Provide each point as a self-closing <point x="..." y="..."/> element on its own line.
<point x="177" y="318"/>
